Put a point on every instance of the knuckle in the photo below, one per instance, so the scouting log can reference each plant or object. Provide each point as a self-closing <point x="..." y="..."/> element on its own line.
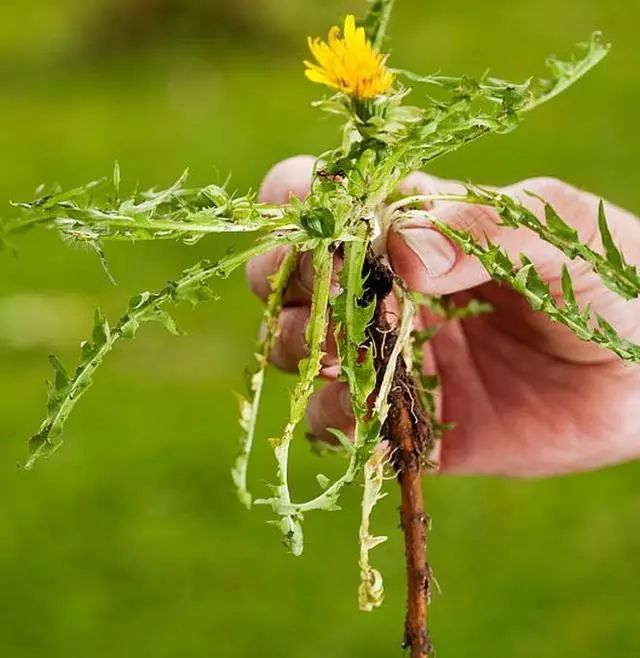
<point x="291" y="331"/>
<point x="480" y="220"/>
<point x="290" y="344"/>
<point x="287" y="177"/>
<point x="577" y="207"/>
<point x="417" y="182"/>
<point x="330" y="407"/>
<point x="548" y="187"/>
<point x="254" y="280"/>
<point x="259" y="268"/>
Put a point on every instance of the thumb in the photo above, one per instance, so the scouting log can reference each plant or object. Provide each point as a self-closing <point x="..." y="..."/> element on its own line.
<point x="431" y="263"/>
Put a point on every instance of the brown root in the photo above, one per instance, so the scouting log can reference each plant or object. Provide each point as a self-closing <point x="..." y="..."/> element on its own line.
<point x="408" y="433"/>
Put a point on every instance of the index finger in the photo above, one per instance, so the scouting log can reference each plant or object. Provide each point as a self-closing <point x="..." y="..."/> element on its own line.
<point x="291" y="177"/>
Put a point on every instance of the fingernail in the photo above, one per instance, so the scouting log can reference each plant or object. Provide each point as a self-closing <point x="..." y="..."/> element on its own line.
<point x="345" y="402"/>
<point x="330" y="371"/>
<point x="433" y="249"/>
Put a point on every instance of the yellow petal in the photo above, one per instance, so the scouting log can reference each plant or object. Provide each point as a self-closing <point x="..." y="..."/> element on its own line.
<point x="334" y="36"/>
<point x="316" y="75"/>
<point x="349" y="29"/>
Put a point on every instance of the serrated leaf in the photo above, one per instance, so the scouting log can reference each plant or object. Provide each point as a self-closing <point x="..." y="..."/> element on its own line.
<point x="116" y="182"/>
<point x="193" y="292"/>
<point x="568" y="293"/>
<point x="612" y="253"/>
<point x="376" y="21"/>
<point x="558" y="226"/>
<point x="93" y="213"/>
<point x="101" y="333"/>
<point x="371" y="590"/>
<point x="445" y="307"/>
<point x="536" y="291"/>
<point x="309" y="368"/>
<point x="343" y="439"/>
<point x="61" y="381"/>
<point x="464" y="117"/>
<point x="67" y="390"/>
<point x="612" y="269"/>
<point x="250" y="405"/>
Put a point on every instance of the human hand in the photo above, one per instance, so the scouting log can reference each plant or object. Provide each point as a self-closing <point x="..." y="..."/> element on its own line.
<point x="528" y="398"/>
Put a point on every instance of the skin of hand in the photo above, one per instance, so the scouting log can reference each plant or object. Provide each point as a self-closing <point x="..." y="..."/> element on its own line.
<point x="528" y="398"/>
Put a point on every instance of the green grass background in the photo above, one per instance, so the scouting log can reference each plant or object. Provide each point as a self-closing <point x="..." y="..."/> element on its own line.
<point x="129" y="542"/>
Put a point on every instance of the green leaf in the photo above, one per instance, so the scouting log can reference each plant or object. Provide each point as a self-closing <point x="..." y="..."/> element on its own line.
<point x="347" y="212"/>
<point x="319" y="222"/>
<point x="192" y="291"/>
<point x="568" y="293"/>
<point x="344" y="440"/>
<point x="445" y="307"/>
<point x="250" y="405"/>
<point x="101" y="333"/>
<point x="536" y="291"/>
<point x="93" y="213"/>
<point x="611" y="267"/>
<point x="371" y="590"/>
<point x="61" y="375"/>
<point x="475" y="109"/>
<point x="352" y="316"/>
<point x="611" y="251"/>
<point x="116" y="183"/>
<point x="316" y="333"/>
<point x="376" y="21"/>
<point x="558" y="227"/>
<point x="67" y="390"/>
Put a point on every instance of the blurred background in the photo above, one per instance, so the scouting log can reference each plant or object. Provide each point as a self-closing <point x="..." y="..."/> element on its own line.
<point x="129" y="542"/>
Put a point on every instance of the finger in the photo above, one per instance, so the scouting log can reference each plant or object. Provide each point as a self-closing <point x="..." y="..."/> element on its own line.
<point x="287" y="178"/>
<point x="330" y="407"/>
<point x="300" y="287"/>
<point x="431" y="263"/>
<point x="291" y="347"/>
<point x="418" y="182"/>
<point x="260" y="268"/>
<point x="417" y="252"/>
<point x="291" y="177"/>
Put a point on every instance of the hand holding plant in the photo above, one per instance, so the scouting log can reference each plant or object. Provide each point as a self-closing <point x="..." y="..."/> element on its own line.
<point x="421" y="263"/>
<point x="526" y="397"/>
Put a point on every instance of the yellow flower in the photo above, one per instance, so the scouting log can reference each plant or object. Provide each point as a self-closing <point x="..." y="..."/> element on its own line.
<point x="349" y="63"/>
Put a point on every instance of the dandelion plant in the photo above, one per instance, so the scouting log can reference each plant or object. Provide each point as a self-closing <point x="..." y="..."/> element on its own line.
<point x="354" y="198"/>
